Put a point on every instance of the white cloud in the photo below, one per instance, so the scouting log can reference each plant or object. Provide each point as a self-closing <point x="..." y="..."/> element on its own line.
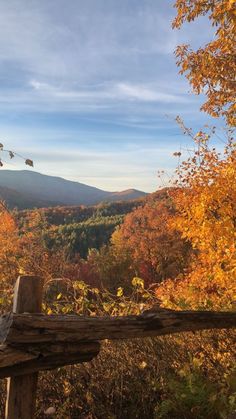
<point x="84" y="42"/>
<point x="37" y="85"/>
<point x="81" y="41"/>
<point x="112" y="170"/>
<point x="142" y="93"/>
<point x="119" y="91"/>
<point x="85" y="74"/>
<point x="88" y="56"/>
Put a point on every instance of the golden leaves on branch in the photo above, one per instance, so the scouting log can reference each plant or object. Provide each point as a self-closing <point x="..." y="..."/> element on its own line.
<point x="205" y="203"/>
<point x="211" y="69"/>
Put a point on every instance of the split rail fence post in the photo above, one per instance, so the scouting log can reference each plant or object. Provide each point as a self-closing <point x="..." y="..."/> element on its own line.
<point x="21" y="390"/>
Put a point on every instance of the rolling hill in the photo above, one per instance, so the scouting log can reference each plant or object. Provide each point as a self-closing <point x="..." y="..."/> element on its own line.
<point x="29" y="189"/>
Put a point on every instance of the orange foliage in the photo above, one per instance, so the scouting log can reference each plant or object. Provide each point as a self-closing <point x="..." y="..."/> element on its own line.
<point x="7" y="224"/>
<point x="206" y="216"/>
<point x="8" y="254"/>
<point x="212" y="68"/>
<point x="156" y="251"/>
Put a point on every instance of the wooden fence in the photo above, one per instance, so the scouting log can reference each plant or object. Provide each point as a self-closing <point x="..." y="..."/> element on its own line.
<point x="31" y="342"/>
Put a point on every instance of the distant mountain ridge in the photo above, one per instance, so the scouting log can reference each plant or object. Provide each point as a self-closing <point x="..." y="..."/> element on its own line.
<point x="28" y="189"/>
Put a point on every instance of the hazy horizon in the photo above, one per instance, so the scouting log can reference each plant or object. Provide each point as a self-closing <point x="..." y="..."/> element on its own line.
<point x="90" y="90"/>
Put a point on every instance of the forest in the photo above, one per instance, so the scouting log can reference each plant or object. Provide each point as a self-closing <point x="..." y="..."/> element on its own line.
<point x="78" y="228"/>
<point x="175" y="248"/>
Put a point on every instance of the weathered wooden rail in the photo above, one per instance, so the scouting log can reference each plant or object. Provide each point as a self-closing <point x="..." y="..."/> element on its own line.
<point x="32" y="342"/>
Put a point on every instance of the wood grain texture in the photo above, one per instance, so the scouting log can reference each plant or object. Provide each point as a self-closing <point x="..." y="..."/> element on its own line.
<point x="21" y="397"/>
<point x="21" y="391"/>
<point x="15" y="362"/>
<point x="34" y="329"/>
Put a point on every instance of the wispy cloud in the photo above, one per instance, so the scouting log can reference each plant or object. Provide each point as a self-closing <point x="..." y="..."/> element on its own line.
<point x="119" y="91"/>
<point x="142" y="93"/>
<point x="114" y="170"/>
<point x="93" y="76"/>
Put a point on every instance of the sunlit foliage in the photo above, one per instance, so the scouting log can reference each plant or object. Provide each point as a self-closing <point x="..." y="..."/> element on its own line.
<point x="205" y="201"/>
<point x="156" y="251"/>
<point x="211" y="68"/>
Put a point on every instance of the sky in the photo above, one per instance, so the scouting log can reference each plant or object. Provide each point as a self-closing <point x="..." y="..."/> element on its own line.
<point x="89" y="90"/>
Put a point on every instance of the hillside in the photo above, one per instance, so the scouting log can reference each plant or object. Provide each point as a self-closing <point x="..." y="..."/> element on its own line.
<point x="20" y="200"/>
<point x="78" y="228"/>
<point x="28" y="189"/>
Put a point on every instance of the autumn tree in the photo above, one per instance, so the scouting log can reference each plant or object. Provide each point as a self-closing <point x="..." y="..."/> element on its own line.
<point x="211" y="68"/>
<point x="9" y="254"/>
<point x="156" y="251"/>
<point x="205" y="201"/>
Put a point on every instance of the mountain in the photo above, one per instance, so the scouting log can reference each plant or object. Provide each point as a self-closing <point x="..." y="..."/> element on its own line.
<point x="28" y="189"/>
<point x="15" y="199"/>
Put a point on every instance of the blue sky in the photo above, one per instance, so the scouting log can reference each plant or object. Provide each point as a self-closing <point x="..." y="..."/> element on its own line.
<point x="90" y="89"/>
